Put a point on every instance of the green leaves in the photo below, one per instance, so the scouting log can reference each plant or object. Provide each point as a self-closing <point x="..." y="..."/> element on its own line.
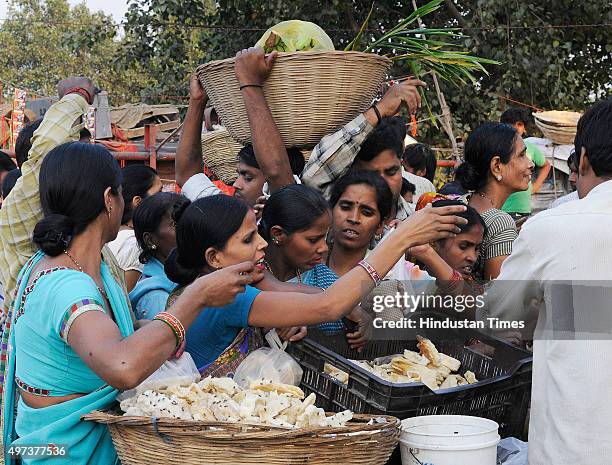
<point x="435" y="49"/>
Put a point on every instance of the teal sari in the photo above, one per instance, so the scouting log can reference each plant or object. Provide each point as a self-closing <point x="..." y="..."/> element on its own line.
<point x="39" y="337"/>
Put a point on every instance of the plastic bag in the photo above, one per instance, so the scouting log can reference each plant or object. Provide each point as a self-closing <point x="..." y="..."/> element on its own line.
<point x="295" y="36"/>
<point x="181" y="371"/>
<point x="270" y="363"/>
<point x="512" y="451"/>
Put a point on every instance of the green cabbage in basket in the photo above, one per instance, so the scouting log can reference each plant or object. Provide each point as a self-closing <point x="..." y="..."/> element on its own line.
<point x="295" y="36"/>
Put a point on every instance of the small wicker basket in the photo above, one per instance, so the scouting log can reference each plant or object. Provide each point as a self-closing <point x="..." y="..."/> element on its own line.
<point x="558" y="126"/>
<point x="220" y="153"/>
<point x="146" y="441"/>
<point x="310" y="94"/>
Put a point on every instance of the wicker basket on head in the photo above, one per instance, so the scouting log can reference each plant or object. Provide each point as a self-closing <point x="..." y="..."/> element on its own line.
<point x="558" y="126"/>
<point x="310" y="94"/>
<point x="220" y="154"/>
<point x="146" y="441"/>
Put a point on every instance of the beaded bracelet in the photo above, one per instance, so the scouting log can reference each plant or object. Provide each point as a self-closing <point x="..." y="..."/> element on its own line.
<point x="174" y="324"/>
<point x="173" y="319"/>
<point x="371" y="271"/>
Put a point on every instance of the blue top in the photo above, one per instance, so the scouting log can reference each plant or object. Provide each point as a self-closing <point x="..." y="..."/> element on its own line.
<point x="216" y="328"/>
<point x="322" y="277"/>
<point x="152" y="290"/>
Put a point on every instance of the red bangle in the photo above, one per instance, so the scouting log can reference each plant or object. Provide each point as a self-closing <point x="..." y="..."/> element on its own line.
<point x="371" y="271"/>
<point x="82" y="92"/>
<point x="175" y="325"/>
<point x="456" y="276"/>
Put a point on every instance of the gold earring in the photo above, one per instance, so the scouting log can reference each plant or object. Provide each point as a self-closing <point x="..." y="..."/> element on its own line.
<point x="109" y="211"/>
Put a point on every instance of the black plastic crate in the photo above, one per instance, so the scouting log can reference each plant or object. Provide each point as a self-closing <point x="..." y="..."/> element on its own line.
<point x="503" y="371"/>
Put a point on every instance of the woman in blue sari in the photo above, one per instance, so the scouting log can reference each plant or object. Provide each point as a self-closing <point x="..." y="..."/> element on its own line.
<point x="72" y="344"/>
<point x="156" y="236"/>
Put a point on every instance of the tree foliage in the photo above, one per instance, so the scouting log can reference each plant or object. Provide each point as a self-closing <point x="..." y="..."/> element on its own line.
<point x="44" y="41"/>
<point x="543" y="63"/>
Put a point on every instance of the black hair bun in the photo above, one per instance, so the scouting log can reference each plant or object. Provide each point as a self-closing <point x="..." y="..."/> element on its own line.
<point x="468" y="177"/>
<point x="53" y="234"/>
<point x="177" y="272"/>
<point x="179" y="208"/>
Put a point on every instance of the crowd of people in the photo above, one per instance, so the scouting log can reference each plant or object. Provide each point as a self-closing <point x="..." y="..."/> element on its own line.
<point x="105" y="277"/>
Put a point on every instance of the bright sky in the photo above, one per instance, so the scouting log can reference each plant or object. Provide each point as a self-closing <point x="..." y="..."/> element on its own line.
<point x="116" y="8"/>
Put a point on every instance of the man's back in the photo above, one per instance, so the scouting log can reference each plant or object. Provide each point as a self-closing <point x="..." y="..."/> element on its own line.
<point x="571" y="406"/>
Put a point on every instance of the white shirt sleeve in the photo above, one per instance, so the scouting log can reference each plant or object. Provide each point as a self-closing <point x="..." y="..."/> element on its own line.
<point x="127" y="252"/>
<point x="515" y="295"/>
<point x="265" y="190"/>
<point x="199" y="186"/>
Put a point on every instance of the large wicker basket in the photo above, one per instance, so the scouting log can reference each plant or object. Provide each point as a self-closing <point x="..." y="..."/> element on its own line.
<point x="146" y="441"/>
<point x="220" y="154"/>
<point x="310" y="94"/>
<point x="558" y="126"/>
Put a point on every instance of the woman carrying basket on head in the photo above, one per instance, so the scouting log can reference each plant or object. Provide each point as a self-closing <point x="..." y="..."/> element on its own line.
<point x="73" y="344"/>
<point x="219" y="231"/>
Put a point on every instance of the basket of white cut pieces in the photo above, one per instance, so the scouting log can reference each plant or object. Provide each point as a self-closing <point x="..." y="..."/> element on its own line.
<point x="215" y="421"/>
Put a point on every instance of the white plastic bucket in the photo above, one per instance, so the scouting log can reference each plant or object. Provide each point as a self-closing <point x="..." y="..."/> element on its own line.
<point x="449" y="440"/>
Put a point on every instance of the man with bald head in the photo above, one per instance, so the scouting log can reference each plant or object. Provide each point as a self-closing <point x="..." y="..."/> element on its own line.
<point x="63" y="122"/>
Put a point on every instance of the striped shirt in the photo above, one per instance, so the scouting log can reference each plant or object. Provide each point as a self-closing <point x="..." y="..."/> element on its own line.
<point x="333" y="157"/>
<point x="498" y="240"/>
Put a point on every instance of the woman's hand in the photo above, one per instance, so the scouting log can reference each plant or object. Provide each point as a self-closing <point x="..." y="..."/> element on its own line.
<point x="296" y="333"/>
<point x="420" y="252"/>
<point x="431" y="224"/>
<point x="359" y="338"/>
<point x="259" y="206"/>
<point x="220" y="287"/>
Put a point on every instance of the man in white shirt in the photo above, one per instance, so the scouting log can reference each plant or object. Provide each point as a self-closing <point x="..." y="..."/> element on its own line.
<point x="556" y="259"/>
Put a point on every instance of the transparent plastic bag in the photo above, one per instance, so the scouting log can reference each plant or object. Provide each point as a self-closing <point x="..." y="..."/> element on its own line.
<point x="270" y="363"/>
<point x="181" y="371"/>
<point x="512" y="451"/>
<point x="295" y="35"/>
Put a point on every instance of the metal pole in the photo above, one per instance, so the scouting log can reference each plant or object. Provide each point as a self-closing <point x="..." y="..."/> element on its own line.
<point x="170" y="136"/>
<point x="553" y="170"/>
<point x="149" y="140"/>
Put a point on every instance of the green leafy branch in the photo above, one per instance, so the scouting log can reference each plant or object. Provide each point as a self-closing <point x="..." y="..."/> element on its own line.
<point x="433" y="49"/>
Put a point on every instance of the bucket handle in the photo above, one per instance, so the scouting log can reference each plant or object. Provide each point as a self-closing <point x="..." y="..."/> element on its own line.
<point x="412" y="451"/>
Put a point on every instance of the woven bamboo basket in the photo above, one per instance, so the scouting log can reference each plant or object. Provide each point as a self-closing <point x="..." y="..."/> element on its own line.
<point x="558" y="126"/>
<point x="146" y="441"/>
<point x="310" y="94"/>
<point x="220" y="153"/>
